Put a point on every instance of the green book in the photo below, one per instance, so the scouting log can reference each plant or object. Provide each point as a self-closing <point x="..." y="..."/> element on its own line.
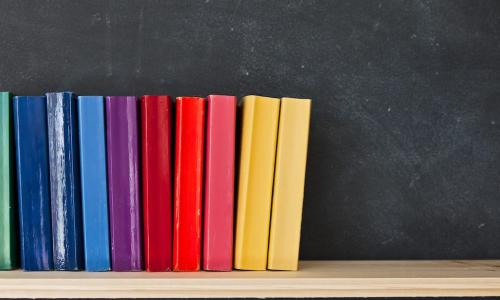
<point x="8" y="238"/>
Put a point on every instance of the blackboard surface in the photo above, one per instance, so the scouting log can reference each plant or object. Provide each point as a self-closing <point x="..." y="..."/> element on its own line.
<point x="404" y="157"/>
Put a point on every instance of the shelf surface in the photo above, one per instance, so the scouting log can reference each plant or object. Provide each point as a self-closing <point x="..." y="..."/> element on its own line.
<point x="314" y="279"/>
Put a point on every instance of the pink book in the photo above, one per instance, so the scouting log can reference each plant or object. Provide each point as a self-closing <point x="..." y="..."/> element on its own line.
<point x="219" y="183"/>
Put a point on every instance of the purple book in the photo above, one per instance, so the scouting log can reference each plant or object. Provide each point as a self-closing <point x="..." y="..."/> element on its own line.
<point x="123" y="181"/>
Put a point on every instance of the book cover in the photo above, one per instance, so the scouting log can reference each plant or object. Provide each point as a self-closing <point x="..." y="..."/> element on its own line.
<point x="156" y="182"/>
<point x="32" y="165"/>
<point x="190" y="121"/>
<point x="8" y="220"/>
<point x="92" y="138"/>
<point x="258" y="151"/>
<point x="288" y="190"/>
<point x="123" y="183"/>
<point x="219" y="183"/>
<point x="64" y="170"/>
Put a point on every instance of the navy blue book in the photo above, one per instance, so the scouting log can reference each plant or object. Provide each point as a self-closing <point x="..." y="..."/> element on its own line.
<point x="30" y="129"/>
<point x="65" y="188"/>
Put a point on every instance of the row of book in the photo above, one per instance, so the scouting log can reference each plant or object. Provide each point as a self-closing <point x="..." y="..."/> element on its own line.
<point x="106" y="183"/>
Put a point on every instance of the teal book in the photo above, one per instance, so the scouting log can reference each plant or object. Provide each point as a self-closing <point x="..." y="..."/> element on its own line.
<point x="8" y="239"/>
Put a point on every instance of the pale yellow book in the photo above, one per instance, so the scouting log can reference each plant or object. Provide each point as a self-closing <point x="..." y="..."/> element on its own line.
<point x="289" y="177"/>
<point x="258" y="152"/>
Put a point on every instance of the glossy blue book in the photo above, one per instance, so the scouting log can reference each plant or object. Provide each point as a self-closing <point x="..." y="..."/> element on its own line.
<point x="32" y="165"/>
<point x="91" y="127"/>
<point x="65" y="181"/>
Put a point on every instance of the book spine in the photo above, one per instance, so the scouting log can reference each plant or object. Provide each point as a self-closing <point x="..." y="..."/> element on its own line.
<point x="289" y="177"/>
<point x="258" y="150"/>
<point x="91" y="126"/>
<point x="8" y="221"/>
<point x="156" y="182"/>
<point x="30" y="127"/>
<point x="190" y="113"/>
<point x="64" y="181"/>
<point x="219" y="183"/>
<point x="123" y="181"/>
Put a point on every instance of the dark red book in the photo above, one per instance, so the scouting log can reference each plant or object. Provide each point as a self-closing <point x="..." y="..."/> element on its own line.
<point x="189" y="133"/>
<point x="156" y="181"/>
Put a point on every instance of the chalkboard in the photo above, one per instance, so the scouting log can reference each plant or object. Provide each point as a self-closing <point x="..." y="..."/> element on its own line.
<point x="404" y="152"/>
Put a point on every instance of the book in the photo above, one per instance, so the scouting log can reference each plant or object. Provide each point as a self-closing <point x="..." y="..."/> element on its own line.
<point x="123" y="183"/>
<point x="156" y="129"/>
<point x="219" y="183"/>
<point x="65" y="190"/>
<point x="32" y="165"/>
<point x="288" y="190"/>
<point x="92" y="138"/>
<point x="258" y="151"/>
<point x="190" y="121"/>
<point x="8" y="220"/>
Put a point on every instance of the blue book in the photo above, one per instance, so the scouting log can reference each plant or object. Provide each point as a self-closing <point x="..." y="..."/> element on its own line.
<point x="91" y="126"/>
<point x="65" y="181"/>
<point x="30" y="129"/>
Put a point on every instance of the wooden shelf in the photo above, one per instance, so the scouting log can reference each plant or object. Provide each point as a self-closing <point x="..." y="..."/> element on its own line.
<point x="315" y="279"/>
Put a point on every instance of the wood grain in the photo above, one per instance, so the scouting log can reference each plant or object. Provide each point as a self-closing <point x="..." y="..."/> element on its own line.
<point x="314" y="279"/>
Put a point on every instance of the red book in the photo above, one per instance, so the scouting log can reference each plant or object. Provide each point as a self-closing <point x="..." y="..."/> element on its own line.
<point x="219" y="184"/>
<point x="189" y="133"/>
<point x="156" y="182"/>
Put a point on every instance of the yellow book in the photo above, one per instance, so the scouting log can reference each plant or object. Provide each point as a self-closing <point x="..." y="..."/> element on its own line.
<point x="288" y="191"/>
<point x="258" y="151"/>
